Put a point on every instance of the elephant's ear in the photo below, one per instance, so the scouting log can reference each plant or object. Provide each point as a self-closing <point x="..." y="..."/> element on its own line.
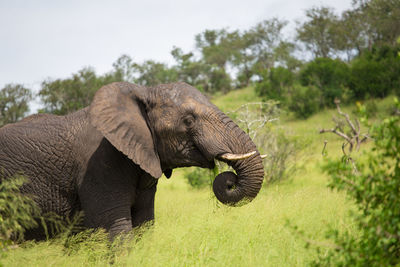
<point x="118" y="112"/>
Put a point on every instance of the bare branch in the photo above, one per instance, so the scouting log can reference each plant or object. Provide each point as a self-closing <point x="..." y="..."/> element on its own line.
<point x="353" y="138"/>
<point x="349" y="122"/>
<point x="334" y="130"/>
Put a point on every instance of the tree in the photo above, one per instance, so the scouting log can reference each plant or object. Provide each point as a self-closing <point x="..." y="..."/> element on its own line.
<point x="242" y="60"/>
<point x="14" y="100"/>
<point x="125" y="68"/>
<point x="151" y="73"/>
<point x="264" y="40"/>
<point x="260" y="48"/>
<point x="350" y="34"/>
<point x="214" y="47"/>
<point x="190" y="70"/>
<point x="63" y="96"/>
<point x="216" y="51"/>
<point x="318" y="32"/>
<point x="382" y="18"/>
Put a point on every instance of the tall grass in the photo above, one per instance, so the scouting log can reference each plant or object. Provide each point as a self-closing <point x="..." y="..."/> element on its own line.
<point x="192" y="229"/>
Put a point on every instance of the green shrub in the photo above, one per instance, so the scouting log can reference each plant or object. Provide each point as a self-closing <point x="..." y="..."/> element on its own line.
<point x="200" y="178"/>
<point x="376" y="73"/>
<point x="219" y="80"/>
<point x="368" y="110"/>
<point x="373" y="185"/>
<point x="282" y="151"/>
<point x="304" y="101"/>
<point x="275" y="84"/>
<point x="330" y="76"/>
<point x="17" y="211"/>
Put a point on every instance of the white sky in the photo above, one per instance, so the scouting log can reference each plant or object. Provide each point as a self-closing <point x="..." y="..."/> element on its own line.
<point x="54" y="38"/>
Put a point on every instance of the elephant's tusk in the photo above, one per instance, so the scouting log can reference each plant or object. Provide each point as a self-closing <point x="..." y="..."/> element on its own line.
<point x="229" y="156"/>
<point x="263" y="156"/>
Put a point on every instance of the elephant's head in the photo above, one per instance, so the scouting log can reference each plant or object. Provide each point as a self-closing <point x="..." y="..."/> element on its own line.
<point x="174" y="125"/>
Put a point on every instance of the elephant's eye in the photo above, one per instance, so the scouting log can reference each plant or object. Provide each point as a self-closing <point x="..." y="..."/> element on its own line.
<point x="188" y="121"/>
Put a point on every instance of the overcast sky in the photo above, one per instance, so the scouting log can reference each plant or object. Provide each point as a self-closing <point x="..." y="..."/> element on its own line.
<point x="54" y="38"/>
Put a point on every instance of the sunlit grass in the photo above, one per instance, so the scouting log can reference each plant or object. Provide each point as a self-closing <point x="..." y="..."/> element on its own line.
<point x="234" y="99"/>
<point x="192" y="229"/>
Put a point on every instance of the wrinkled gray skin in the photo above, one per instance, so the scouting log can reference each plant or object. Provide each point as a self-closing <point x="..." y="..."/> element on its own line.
<point x="106" y="159"/>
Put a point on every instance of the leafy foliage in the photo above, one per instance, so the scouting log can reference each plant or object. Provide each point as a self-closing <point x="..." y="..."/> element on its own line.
<point x="376" y="73"/>
<point x="373" y="185"/>
<point x="276" y="84"/>
<point x="304" y="101"/>
<point x="63" y="96"/>
<point x="14" y="100"/>
<point x="200" y="178"/>
<point x="329" y="76"/>
<point x="189" y="69"/>
<point x="151" y="73"/>
<point x="381" y="20"/>
<point x="318" y="32"/>
<point x="17" y="211"/>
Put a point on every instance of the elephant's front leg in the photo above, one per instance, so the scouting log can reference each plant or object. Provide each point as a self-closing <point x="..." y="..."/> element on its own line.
<point x="120" y="225"/>
<point x="143" y="209"/>
<point x="107" y="207"/>
<point x="115" y="218"/>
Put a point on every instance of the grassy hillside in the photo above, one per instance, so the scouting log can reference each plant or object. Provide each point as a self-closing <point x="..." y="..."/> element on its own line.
<point x="193" y="229"/>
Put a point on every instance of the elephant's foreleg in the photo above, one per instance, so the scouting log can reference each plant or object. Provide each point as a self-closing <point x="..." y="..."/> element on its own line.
<point x="118" y="226"/>
<point x="143" y="209"/>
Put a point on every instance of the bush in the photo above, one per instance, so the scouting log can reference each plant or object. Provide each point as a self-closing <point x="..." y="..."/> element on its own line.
<point x="368" y="110"/>
<point x="275" y="84"/>
<point x="18" y="212"/>
<point x="304" y="101"/>
<point x="282" y="151"/>
<point x="330" y="76"/>
<point x="200" y="178"/>
<point x="219" y="81"/>
<point x="376" y="73"/>
<point x="373" y="186"/>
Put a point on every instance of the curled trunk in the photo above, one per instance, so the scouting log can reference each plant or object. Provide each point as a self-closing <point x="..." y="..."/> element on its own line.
<point x="240" y="188"/>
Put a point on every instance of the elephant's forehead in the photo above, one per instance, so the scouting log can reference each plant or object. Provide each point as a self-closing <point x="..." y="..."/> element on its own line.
<point x="186" y="96"/>
<point x="195" y="105"/>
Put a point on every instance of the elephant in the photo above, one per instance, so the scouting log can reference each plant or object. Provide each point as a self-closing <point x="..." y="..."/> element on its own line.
<point x="105" y="160"/>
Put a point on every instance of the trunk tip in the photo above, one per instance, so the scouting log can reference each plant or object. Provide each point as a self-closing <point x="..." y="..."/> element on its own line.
<point x="227" y="191"/>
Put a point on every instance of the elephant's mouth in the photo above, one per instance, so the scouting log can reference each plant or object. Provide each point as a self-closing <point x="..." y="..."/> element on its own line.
<point x="193" y="157"/>
<point x="203" y="161"/>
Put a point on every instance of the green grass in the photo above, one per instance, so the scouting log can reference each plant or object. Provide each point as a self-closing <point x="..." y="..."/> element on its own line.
<point x="192" y="229"/>
<point x="235" y="99"/>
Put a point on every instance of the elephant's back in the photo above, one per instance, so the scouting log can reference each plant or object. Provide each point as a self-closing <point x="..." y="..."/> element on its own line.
<point x="33" y="136"/>
<point x="39" y="148"/>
